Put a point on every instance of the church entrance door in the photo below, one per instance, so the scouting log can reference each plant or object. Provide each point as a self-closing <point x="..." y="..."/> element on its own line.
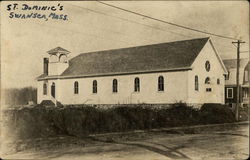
<point x="53" y="90"/>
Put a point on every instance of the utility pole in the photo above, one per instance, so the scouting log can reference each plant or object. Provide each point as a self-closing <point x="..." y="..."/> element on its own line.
<point x="237" y="80"/>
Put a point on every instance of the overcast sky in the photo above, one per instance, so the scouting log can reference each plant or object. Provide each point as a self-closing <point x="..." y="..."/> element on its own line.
<point x="92" y="26"/>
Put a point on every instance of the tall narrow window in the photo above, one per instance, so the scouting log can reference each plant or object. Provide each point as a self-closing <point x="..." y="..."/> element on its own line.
<point x="230" y="93"/>
<point x="115" y="86"/>
<point x="196" y="83"/>
<point x="246" y="76"/>
<point x="227" y="76"/>
<point x="137" y="84"/>
<point x="207" y="80"/>
<point x="245" y="92"/>
<point x="76" y="87"/>
<point x="44" y="89"/>
<point x="218" y="81"/>
<point x="94" y="86"/>
<point x="160" y="83"/>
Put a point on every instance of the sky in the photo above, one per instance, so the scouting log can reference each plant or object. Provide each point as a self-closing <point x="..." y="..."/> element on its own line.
<point x="92" y="26"/>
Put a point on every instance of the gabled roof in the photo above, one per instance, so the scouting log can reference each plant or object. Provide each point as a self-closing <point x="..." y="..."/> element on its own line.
<point x="156" y="57"/>
<point x="231" y="65"/>
<point x="173" y="55"/>
<point x="58" y="49"/>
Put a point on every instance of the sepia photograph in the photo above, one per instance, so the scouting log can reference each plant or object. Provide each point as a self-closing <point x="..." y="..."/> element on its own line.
<point x="124" y="80"/>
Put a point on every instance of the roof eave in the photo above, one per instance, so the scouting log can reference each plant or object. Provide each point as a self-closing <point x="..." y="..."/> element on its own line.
<point x="220" y="60"/>
<point x="113" y="74"/>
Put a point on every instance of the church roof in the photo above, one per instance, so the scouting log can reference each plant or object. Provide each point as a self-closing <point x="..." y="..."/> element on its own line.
<point x="149" y="58"/>
<point x="58" y="49"/>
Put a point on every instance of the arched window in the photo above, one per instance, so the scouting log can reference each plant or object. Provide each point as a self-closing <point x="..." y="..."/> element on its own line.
<point x="160" y="83"/>
<point x="218" y="81"/>
<point x="76" y="87"/>
<point x="207" y="80"/>
<point x="137" y="84"/>
<point x="115" y="85"/>
<point x="94" y="86"/>
<point x="44" y="89"/>
<point x="53" y="58"/>
<point x="196" y="83"/>
<point x="63" y="58"/>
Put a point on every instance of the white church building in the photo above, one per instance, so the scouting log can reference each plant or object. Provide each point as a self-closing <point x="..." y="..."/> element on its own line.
<point x="189" y="71"/>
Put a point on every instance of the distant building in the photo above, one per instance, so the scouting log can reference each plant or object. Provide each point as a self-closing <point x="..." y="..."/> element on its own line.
<point x="230" y="84"/>
<point x="190" y="71"/>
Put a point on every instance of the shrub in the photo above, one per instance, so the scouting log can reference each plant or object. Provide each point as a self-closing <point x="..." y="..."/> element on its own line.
<point x="80" y="120"/>
<point x="136" y="117"/>
<point x="179" y="115"/>
<point x="216" y="113"/>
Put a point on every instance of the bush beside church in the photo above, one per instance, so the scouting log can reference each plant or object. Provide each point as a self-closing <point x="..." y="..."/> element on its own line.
<point x="78" y="120"/>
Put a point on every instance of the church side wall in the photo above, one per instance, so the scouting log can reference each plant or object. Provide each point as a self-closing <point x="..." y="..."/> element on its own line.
<point x="41" y="96"/>
<point x="175" y="89"/>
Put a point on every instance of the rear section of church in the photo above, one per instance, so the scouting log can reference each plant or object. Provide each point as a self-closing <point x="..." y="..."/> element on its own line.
<point x="189" y="71"/>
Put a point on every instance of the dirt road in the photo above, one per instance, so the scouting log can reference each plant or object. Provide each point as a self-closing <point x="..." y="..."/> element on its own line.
<point x="221" y="145"/>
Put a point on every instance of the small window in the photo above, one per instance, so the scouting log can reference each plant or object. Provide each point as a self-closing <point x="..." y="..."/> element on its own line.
<point x="196" y="83"/>
<point x="115" y="86"/>
<point x="44" y="89"/>
<point x="245" y="92"/>
<point x="137" y="84"/>
<point x="160" y="83"/>
<point x="76" y="87"/>
<point x="230" y="93"/>
<point x="94" y="86"/>
<point x="227" y="76"/>
<point x="208" y="89"/>
<point x="207" y="80"/>
<point x="246" y="76"/>
<point x="207" y="66"/>
<point x="218" y="81"/>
